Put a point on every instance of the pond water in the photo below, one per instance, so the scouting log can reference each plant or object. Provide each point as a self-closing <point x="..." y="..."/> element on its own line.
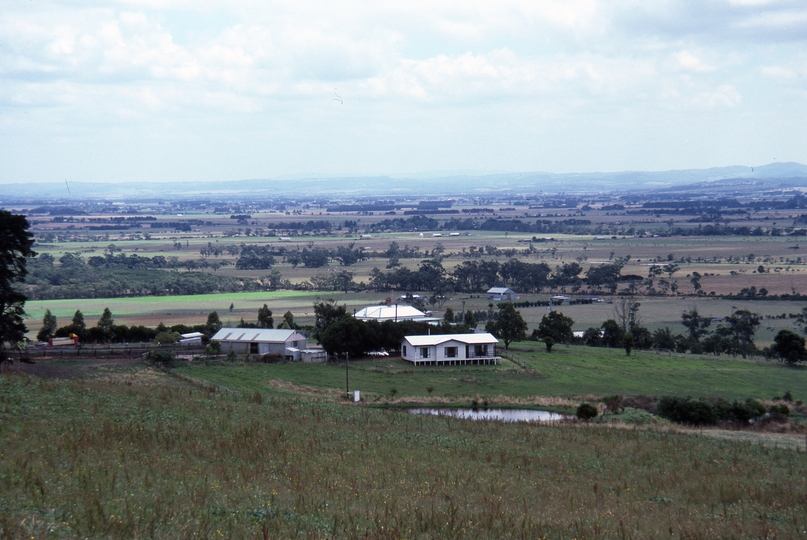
<point x="501" y="415"/>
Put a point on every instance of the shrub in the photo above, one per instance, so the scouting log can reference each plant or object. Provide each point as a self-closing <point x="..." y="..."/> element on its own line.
<point x="162" y="356"/>
<point x="166" y="337"/>
<point x="686" y="411"/>
<point x="780" y="410"/>
<point x="612" y="403"/>
<point x="586" y="411"/>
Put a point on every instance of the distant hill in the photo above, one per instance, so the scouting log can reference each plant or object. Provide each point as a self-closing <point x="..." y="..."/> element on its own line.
<point x="774" y="174"/>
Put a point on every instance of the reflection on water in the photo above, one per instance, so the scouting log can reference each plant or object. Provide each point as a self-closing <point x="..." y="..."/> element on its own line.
<point x="502" y="415"/>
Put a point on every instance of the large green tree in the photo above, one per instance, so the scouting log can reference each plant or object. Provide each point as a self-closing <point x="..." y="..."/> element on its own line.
<point x="556" y="326"/>
<point x="16" y="242"/>
<point x="509" y="326"/>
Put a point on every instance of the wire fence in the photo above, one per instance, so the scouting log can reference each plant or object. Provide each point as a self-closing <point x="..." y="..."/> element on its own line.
<point x="107" y="351"/>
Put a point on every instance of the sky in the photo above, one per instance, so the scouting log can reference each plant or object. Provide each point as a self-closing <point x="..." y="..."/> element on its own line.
<point x="205" y="90"/>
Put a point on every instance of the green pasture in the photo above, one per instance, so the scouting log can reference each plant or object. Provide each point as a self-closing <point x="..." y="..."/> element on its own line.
<point x="567" y="372"/>
<point x="144" y="455"/>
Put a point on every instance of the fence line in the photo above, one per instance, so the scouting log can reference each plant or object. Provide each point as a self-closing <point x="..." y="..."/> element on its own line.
<point x="102" y="351"/>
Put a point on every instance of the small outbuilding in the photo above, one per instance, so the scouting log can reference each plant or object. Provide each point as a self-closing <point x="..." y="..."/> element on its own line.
<point x="191" y="338"/>
<point x="262" y="341"/>
<point x="501" y="293"/>
<point x="450" y="349"/>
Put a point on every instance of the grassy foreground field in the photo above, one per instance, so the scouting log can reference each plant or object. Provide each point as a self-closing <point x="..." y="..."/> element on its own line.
<point x="567" y="371"/>
<point x="146" y="455"/>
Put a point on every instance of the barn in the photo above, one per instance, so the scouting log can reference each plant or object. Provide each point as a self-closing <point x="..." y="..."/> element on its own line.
<point x="501" y="293"/>
<point x="262" y="341"/>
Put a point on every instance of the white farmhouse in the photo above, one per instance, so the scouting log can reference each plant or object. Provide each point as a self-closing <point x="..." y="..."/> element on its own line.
<point x="450" y="349"/>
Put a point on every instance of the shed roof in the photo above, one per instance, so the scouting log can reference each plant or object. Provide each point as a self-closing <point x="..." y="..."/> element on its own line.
<point x="264" y="335"/>
<point x="469" y="339"/>
<point x="499" y="290"/>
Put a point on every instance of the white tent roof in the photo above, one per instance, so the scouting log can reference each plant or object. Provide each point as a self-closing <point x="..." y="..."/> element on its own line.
<point x="389" y="313"/>
<point x="468" y="339"/>
<point x="264" y="335"/>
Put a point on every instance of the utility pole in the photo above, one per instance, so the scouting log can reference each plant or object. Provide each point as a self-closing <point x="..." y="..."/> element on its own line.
<point x="347" y="374"/>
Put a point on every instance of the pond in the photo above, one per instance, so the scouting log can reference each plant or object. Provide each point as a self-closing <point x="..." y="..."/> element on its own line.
<point x="501" y="415"/>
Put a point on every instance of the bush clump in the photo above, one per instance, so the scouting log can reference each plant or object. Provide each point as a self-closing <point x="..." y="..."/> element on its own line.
<point x="586" y="411"/>
<point x="781" y="410"/>
<point x="161" y="356"/>
<point x="701" y="412"/>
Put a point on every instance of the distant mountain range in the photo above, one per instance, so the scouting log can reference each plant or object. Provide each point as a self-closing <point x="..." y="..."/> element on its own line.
<point x="783" y="175"/>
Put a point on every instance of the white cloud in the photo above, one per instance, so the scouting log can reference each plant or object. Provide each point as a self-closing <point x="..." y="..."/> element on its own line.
<point x="723" y="96"/>
<point x="243" y="65"/>
<point x="689" y="61"/>
<point x="777" y="72"/>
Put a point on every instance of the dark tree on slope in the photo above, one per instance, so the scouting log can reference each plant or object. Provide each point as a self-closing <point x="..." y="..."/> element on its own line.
<point x="49" y="326"/>
<point x="612" y="334"/>
<point x="555" y="326"/>
<point x="15" y="248"/>
<point x="509" y="326"/>
<point x="213" y="324"/>
<point x="696" y="325"/>
<point x="265" y="319"/>
<point x="106" y="325"/>
<point x="326" y="312"/>
<point x="789" y="347"/>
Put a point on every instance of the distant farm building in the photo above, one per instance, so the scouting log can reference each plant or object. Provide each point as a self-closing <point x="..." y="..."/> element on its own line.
<point x="501" y="293"/>
<point x="450" y="349"/>
<point x="191" y="338"/>
<point x="287" y="344"/>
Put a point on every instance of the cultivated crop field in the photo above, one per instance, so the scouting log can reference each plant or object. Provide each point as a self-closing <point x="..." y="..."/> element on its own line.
<point x="656" y="312"/>
<point x="167" y="459"/>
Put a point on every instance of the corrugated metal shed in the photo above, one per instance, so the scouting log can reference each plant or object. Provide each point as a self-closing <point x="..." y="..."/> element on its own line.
<point x="257" y="335"/>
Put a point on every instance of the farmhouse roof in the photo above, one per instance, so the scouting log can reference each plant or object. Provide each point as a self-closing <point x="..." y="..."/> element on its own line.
<point x="262" y="335"/>
<point x="469" y="339"/>
<point x="499" y="290"/>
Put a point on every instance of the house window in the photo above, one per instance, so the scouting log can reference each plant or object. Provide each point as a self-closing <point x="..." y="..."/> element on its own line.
<point x="481" y="350"/>
<point x="404" y="350"/>
<point x="451" y="352"/>
<point x="424" y="352"/>
<point x="253" y="348"/>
